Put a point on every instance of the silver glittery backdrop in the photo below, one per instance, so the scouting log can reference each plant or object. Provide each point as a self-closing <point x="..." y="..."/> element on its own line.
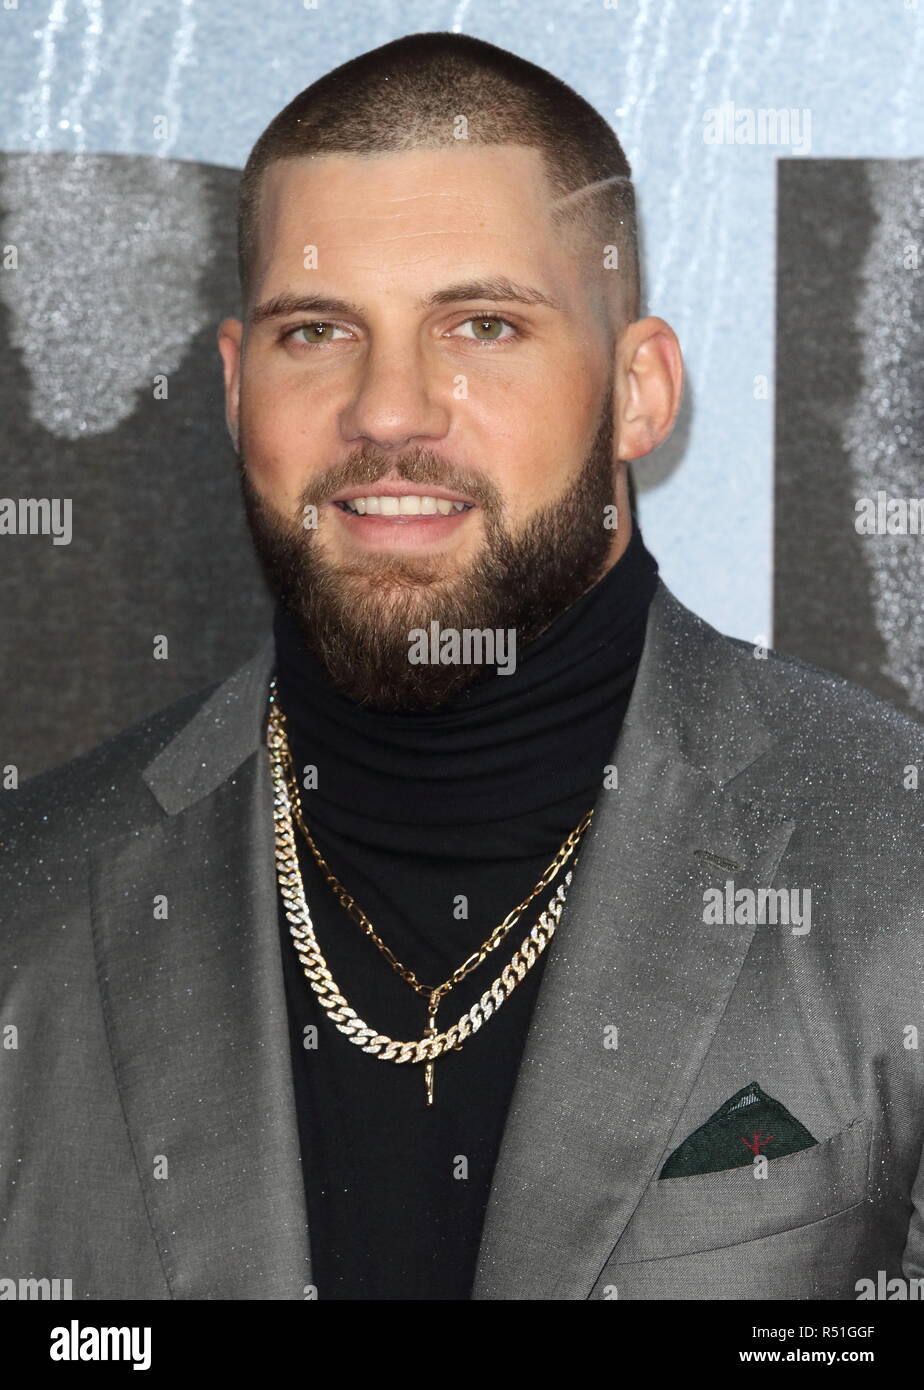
<point x="884" y="432"/>
<point x="126" y="264"/>
<point x="90" y="347"/>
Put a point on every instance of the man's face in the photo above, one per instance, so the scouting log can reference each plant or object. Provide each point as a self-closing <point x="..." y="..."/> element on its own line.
<point x="429" y="378"/>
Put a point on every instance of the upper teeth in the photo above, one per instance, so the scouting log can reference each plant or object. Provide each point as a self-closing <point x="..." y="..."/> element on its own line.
<point x="410" y="505"/>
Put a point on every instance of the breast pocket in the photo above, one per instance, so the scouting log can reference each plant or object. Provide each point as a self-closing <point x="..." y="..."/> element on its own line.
<point x="681" y="1216"/>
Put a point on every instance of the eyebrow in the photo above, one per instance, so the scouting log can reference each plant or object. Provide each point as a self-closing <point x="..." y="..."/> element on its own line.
<point x="497" y="289"/>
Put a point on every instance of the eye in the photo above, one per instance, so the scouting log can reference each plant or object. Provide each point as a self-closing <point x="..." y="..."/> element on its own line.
<point x="315" y="333"/>
<point x="483" y="326"/>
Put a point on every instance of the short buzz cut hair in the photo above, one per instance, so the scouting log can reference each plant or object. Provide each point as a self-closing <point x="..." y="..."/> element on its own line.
<point x="410" y="94"/>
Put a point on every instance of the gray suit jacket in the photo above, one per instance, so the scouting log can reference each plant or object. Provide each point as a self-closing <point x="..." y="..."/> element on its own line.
<point x="148" y="1143"/>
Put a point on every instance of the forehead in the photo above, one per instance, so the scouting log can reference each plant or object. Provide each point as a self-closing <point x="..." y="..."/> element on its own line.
<point x="411" y="212"/>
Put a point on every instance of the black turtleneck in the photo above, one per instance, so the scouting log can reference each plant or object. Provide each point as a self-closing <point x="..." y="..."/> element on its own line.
<point x="438" y="823"/>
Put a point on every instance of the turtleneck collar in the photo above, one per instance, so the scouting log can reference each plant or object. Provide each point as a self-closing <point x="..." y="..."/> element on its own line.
<point x="511" y="752"/>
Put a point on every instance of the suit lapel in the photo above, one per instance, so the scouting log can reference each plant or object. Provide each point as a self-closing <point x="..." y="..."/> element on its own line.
<point x="196" y="1014"/>
<point x="589" y="1121"/>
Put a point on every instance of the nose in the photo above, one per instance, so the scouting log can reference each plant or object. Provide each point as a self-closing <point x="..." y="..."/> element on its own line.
<point x="396" y="400"/>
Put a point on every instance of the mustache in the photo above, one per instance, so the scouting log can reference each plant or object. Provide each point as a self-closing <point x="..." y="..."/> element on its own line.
<point x="420" y="468"/>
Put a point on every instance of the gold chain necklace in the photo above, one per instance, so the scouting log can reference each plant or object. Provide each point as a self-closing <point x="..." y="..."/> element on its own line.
<point x="286" y="810"/>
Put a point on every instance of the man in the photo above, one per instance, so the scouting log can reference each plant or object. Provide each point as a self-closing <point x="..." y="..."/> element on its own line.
<point x="499" y="1047"/>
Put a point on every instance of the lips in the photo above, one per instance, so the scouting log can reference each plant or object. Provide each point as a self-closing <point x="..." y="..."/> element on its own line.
<point x="393" y="514"/>
<point x="396" y="530"/>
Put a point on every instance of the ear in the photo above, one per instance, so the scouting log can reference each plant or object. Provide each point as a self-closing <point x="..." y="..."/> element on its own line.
<point x="648" y="387"/>
<point x="230" y="339"/>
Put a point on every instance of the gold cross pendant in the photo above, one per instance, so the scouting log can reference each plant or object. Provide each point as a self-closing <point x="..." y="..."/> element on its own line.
<point x="430" y="1032"/>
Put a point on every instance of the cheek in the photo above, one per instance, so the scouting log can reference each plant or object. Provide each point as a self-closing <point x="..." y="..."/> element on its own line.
<point x="277" y="443"/>
<point x="536" y="433"/>
<point x="538" y="466"/>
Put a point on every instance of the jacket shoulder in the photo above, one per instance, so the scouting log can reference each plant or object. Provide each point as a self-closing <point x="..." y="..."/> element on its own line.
<point x="797" y="698"/>
<point x="95" y="795"/>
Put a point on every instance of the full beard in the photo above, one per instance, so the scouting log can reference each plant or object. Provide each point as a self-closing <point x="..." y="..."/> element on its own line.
<point x="357" y="618"/>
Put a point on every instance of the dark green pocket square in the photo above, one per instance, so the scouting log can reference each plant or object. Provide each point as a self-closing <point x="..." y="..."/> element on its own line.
<point x="748" y="1124"/>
